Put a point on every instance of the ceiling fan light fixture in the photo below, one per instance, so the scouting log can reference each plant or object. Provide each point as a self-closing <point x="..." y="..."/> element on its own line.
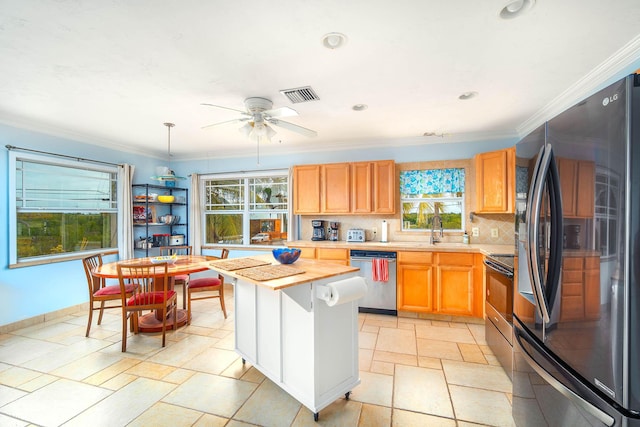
<point x="359" y="107"/>
<point x="334" y="40"/>
<point x="516" y="8"/>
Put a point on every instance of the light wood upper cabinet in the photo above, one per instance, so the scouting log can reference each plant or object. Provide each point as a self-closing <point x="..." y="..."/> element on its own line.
<point x="384" y="187"/>
<point x="306" y="189"/>
<point x="336" y="188"/>
<point x="495" y="181"/>
<point x="361" y="187"/>
<point x="577" y="183"/>
<point x="345" y="188"/>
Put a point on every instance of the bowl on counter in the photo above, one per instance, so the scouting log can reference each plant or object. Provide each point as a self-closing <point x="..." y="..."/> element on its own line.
<point x="286" y="255"/>
<point x="166" y="198"/>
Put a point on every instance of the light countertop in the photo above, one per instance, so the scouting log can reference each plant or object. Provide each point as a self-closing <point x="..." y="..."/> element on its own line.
<point x="485" y="249"/>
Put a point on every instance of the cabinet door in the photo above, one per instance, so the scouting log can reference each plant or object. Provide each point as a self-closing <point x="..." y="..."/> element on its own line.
<point x="495" y="177"/>
<point x="454" y="284"/>
<point x="585" y="203"/>
<point x="361" y="191"/>
<point x="415" y="287"/>
<point x="306" y="189"/>
<point x="568" y="170"/>
<point x="336" y="188"/>
<point x="415" y="282"/>
<point x="384" y="187"/>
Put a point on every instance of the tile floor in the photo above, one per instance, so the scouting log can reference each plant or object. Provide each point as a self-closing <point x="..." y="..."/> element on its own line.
<point x="414" y="373"/>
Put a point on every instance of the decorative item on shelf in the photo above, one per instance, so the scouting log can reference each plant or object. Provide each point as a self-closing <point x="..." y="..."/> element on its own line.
<point x="163" y="173"/>
<point x="166" y="198"/>
<point x="286" y="255"/>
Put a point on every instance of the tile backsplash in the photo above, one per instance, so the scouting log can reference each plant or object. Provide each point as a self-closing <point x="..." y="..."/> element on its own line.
<point x="504" y="223"/>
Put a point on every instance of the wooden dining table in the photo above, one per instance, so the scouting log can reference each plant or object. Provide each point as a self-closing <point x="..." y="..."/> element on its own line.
<point x="184" y="264"/>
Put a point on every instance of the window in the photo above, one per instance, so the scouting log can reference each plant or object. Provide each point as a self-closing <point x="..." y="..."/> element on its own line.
<point x="428" y="193"/>
<point x="249" y="210"/>
<point x="607" y="211"/>
<point x="60" y="207"/>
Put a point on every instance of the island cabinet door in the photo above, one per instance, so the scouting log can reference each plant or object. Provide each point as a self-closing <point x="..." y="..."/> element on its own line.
<point x="268" y="308"/>
<point x="245" y="314"/>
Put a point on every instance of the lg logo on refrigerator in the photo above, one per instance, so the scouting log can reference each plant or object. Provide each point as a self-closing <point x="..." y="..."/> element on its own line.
<point x="609" y="99"/>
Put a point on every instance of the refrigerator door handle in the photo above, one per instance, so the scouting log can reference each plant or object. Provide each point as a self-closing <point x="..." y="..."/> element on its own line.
<point x="564" y="390"/>
<point x="533" y="209"/>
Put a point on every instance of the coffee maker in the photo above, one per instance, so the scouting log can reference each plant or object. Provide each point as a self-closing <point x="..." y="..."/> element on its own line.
<point x="319" y="232"/>
<point x="333" y="230"/>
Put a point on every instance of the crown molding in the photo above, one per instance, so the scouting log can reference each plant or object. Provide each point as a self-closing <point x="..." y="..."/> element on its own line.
<point x="613" y="68"/>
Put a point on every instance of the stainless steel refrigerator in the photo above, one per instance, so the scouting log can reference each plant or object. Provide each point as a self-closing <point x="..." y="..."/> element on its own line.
<point x="577" y="296"/>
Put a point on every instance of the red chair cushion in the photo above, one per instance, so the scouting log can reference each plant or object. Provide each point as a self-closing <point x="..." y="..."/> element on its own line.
<point x="204" y="282"/>
<point x="112" y="290"/>
<point x="149" y="298"/>
<point x="182" y="277"/>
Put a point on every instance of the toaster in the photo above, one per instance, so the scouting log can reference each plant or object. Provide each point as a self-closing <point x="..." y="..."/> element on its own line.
<point x="355" y="235"/>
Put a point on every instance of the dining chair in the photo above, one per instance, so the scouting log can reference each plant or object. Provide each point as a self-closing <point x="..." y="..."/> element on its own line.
<point x="99" y="291"/>
<point x="207" y="284"/>
<point x="180" y="279"/>
<point x="151" y="292"/>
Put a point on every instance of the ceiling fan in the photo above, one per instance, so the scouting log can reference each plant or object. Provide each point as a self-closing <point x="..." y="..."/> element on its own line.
<point x="259" y="115"/>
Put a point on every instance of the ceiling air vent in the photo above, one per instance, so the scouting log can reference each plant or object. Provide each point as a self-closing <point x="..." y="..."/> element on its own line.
<point x="300" y="94"/>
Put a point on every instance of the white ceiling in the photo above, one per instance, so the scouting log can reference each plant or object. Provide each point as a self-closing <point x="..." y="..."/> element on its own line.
<point x="111" y="72"/>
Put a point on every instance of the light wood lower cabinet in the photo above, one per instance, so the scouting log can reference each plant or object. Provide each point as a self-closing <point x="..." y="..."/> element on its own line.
<point x="415" y="282"/>
<point x="440" y="282"/>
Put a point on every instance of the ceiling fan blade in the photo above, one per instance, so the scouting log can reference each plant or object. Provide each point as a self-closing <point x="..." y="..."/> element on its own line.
<point x="227" y="108"/>
<point x="281" y="112"/>
<point x="295" y="128"/>
<point x="239" y="120"/>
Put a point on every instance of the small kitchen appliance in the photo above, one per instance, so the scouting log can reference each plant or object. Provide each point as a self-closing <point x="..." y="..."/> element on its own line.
<point x="355" y="235"/>
<point x="319" y="231"/>
<point x="333" y="231"/>
<point x="176" y="240"/>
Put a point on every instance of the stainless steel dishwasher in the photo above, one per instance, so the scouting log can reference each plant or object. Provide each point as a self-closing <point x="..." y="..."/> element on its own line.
<point x="381" y="296"/>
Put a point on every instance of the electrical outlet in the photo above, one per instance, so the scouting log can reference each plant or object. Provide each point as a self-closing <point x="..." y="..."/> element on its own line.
<point x="494" y="232"/>
<point x="475" y="231"/>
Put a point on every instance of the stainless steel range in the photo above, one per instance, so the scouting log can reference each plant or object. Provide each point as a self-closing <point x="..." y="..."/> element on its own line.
<point x="499" y="308"/>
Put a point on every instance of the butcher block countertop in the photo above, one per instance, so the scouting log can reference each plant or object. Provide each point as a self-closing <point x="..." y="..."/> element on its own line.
<point x="302" y="271"/>
<point x="485" y="249"/>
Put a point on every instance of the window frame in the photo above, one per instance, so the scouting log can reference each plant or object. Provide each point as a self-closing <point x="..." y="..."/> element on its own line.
<point x="14" y="158"/>
<point x="246" y="211"/>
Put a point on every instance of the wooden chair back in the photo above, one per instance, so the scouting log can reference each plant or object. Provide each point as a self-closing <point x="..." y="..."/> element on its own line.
<point x="90" y="263"/>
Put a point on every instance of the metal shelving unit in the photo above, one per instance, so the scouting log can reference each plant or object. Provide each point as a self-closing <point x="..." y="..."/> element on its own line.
<point x="154" y="209"/>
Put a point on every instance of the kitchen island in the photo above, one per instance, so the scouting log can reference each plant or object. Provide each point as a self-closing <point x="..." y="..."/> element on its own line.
<point x="285" y="327"/>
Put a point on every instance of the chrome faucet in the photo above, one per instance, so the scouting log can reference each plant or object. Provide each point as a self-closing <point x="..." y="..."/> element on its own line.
<point x="436" y="223"/>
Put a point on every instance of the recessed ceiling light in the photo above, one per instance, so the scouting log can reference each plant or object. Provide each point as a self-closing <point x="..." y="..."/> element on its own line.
<point x="334" y="40"/>
<point x="468" y="95"/>
<point x="516" y="8"/>
<point x="359" y="107"/>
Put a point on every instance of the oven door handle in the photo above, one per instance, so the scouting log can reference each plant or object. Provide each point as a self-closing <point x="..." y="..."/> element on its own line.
<point x="498" y="269"/>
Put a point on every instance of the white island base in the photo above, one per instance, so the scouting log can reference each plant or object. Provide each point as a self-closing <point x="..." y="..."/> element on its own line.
<point x="295" y="339"/>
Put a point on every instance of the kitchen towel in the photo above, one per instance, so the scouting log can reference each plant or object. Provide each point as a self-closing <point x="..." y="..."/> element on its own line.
<point x="347" y="290"/>
<point x="380" y="269"/>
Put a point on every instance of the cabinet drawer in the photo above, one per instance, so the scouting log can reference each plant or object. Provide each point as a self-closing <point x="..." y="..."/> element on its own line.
<point x="338" y="254"/>
<point x="455" y="258"/>
<point x="572" y="289"/>
<point x="415" y="257"/>
<point x="571" y="276"/>
<point x="572" y="308"/>
<point x="572" y="263"/>
<point x="309" y="253"/>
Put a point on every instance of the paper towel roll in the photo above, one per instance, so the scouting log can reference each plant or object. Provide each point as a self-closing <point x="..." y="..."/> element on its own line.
<point x="347" y="290"/>
<point x="383" y="232"/>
